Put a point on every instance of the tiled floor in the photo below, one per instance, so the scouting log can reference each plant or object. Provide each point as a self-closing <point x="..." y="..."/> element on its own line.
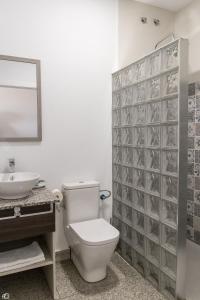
<point x="122" y="282"/>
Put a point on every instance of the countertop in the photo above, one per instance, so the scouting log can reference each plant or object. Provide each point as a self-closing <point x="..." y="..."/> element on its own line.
<point x="36" y="197"/>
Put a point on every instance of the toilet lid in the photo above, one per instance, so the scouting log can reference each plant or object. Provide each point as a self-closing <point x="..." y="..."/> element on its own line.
<point x="95" y="232"/>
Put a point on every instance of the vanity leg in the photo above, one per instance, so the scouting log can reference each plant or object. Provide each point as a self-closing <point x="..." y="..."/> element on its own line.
<point x="50" y="271"/>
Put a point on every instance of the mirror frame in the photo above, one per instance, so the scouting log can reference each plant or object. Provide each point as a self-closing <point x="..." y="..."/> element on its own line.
<point x="38" y="138"/>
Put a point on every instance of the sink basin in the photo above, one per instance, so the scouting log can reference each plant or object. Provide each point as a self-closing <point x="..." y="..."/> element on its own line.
<point x="17" y="185"/>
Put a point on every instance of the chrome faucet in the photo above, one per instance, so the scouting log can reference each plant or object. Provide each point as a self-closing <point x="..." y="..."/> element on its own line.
<point x="11" y="164"/>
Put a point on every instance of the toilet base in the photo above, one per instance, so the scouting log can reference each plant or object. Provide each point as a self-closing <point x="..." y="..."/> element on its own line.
<point x="92" y="275"/>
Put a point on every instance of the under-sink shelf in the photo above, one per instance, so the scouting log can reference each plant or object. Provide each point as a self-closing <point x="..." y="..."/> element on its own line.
<point x="47" y="262"/>
<point x="36" y="222"/>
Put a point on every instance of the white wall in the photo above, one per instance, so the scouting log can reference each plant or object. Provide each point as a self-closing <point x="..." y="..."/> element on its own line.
<point x="76" y="43"/>
<point x="187" y="25"/>
<point x="137" y="39"/>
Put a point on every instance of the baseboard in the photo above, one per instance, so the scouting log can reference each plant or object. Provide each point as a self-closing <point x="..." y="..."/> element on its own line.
<point x="62" y="255"/>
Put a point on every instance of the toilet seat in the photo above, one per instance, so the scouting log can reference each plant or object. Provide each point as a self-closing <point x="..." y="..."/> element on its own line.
<point x="95" y="232"/>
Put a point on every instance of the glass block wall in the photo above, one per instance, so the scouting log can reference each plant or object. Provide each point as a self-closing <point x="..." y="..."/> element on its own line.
<point x="146" y="158"/>
<point x="193" y="200"/>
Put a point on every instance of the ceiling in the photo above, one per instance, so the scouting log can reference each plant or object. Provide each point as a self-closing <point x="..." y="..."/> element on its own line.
<point x="173" y="5"/>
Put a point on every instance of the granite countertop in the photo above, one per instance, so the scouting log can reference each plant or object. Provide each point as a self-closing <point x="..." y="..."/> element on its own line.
<point x="36" y="197"/>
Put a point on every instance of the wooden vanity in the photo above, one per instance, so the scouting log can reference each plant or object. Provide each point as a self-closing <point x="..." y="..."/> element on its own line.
<point x="26" y="220"/>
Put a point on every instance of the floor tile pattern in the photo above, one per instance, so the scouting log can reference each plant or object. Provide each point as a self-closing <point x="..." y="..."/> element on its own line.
<point x="122" y="282"/>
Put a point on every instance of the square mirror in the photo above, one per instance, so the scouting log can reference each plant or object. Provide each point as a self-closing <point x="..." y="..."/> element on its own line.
<point x="20" y="99"/>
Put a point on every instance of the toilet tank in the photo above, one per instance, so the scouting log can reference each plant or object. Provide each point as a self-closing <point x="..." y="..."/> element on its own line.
<point x="81" y="201"/>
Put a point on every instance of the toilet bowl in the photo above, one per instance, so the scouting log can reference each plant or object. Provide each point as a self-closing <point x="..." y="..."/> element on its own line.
<point x="92" y="243"/>
<point x="92" y="240"/>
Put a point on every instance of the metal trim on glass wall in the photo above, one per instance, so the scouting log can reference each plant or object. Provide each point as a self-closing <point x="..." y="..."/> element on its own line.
<point x="182" y="192"/>
<point x="150" y="165"/>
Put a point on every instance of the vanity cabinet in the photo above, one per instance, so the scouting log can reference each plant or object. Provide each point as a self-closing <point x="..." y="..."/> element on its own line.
<point x="23" y="223"/>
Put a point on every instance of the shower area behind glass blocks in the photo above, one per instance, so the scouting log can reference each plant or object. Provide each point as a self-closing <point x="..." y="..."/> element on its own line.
<point x="150" y="165"/>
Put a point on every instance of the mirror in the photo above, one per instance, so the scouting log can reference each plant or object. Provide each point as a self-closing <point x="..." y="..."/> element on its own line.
<point x="20" y="99"/>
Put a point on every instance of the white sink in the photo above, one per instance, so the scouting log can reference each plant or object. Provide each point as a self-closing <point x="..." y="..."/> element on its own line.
<point x="17" y="185"/>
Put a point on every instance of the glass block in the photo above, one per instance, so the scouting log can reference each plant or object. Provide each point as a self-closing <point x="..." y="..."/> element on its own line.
<point x="154" y="112"/>
<point x="170" y="136"/>
<point x="127" y="76"/>
<point x="117" y="154"/>
<point x="139" y="158"/>
<point x="126" y="116"/>
<point x="153" y="229"/>
<point x="153" y="88"/>
<point x="127" y="194"/>
<point x="127" y="252"/>
<point x="140" y="70"/>
<point x="170" y="83"/>
<point x="126" y="233"/>
<point x="116" y="81"/>
<point x="127" y="96"/>
<point x="168" y="287"/>
<point x="169" y="263"/>
<point x="140" y="263"/>
<point x="116" y="136"/>
<point x="139" y="136"/>
<point x="169" y="213"/>
<point x="153" y="274"/>
<point x="127" y="138"/>
<point x="117" y="191"/>
<point x="170" y="162"/>
<point x="169" y="188"/>
<point x="169" y="237"/>
<point x="133" y="73"/>
<point x="139" y="242"/>
<point x="170" y="110"/>
<point x="127" y="156"/>
<point x="138" y="219"/>
<point x="139" y="178"/>
<point x="116" y="117"/>
<point x="127" y="215"/>
<point x="153" y="252"/>
<point x="153" y="206"/>
<point x="139" y="114"/>
<point x="116" y="223"/>
<point x="117" y="209"/>
<point x="154" y="64"/>
<point x="117" y="173"/>
<point x="153" y="136"/>
<point x="116" y="100"/>
<point x="140" y="93"/>
<point x="153" y="183"/>
<point x="153" y="159"/>
<point x="139" y="200"/>
<point x="170" y="57"/>
<point x="127" y="175"/>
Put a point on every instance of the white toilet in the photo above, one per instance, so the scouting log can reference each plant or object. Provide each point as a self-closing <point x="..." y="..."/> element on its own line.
<point x="92" y="240"/>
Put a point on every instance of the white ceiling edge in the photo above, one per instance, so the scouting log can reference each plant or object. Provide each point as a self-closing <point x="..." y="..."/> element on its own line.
<point x="172" y="5"/>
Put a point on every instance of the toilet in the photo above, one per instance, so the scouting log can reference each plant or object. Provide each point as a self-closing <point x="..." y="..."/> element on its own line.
<point x="92" y="240"/>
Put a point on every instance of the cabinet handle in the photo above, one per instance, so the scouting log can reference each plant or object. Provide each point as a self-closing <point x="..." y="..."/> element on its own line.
<point x="17" y="213"/>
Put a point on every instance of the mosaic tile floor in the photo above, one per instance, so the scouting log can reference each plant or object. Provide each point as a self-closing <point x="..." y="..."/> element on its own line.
<point x="122" y="282"/>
